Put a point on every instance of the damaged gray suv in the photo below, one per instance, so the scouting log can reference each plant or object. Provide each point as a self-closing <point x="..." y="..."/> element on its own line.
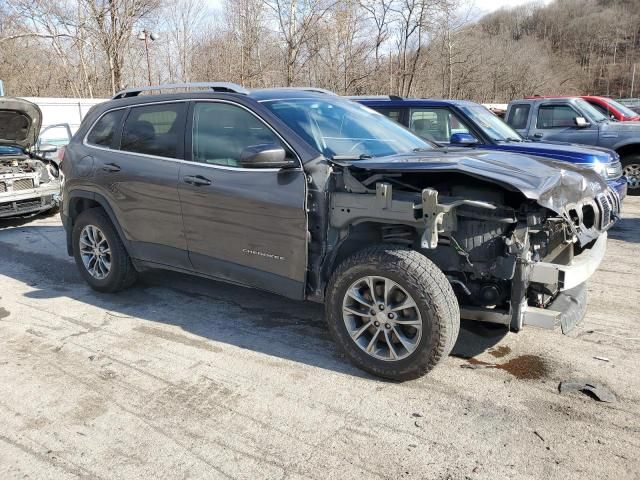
<point x="311" y="196"/>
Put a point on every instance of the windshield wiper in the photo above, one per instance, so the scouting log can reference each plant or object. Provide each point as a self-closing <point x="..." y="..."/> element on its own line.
<point x="364" y="156"/>
<point x="509" y="139"/>
<point x="422" y="149"/>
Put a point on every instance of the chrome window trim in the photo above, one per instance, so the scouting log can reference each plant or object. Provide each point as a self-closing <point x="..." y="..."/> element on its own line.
<point x="188" y="162"/>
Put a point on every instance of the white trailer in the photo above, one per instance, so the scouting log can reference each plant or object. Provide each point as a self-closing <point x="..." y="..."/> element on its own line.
<point x="61" y="117"/>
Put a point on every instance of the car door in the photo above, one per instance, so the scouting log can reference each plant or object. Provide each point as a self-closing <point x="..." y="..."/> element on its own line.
<point x="556" y="122"/>
<point x="246" y="225"/>
<point x="137" y="171"/>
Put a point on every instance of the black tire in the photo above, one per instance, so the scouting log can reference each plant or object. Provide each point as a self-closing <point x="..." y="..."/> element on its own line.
<point x="428" y="287"/>
<point x="627" y="161"/>
<point x="122" y="273"/>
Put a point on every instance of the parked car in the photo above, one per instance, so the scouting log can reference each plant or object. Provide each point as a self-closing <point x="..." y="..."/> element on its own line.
<point x="311" y="196"/>
<point x="29" y="183"/>
<point x="610" y="108"/>
<point x="574" y="120"/>
<point x="467" y="124"/>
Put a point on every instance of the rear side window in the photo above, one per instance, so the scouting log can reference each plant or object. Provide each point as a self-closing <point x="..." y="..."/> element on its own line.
<point x="556" y="116"/>
<point x="155" y="130"/>
<point x="518" y="116"/>
<point x="104" y="130"/>
<point x="393" y="113"/>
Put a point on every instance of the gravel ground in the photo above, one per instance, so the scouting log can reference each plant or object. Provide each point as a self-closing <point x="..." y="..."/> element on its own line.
<point x="186" y="378"/>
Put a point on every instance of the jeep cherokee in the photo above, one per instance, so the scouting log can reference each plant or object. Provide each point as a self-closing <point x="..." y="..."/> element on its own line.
<point x="308" y="195"/>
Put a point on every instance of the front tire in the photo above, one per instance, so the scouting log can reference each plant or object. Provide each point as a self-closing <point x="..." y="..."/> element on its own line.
<point x="392" y="311"/>
<point x="100" y="254"/>
<point x="631" y="170"/>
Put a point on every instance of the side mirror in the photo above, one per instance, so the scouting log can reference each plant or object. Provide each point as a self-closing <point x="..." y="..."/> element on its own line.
<point x="463" y="139"/>
<point x="47" y="148"/>
<point x="265" y="156"/>
<point x="581" y="122"/>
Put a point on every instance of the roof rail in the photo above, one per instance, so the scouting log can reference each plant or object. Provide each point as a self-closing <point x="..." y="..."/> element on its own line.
<point x="215" y="86"/>
<point x="310" y="89"/>
<point x="375" y="97"/>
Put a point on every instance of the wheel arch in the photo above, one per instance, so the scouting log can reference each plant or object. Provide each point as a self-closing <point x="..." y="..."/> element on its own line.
<point x="81" y="200"/>
<point x="362" y="236"/>
<point x="627" y="149"/>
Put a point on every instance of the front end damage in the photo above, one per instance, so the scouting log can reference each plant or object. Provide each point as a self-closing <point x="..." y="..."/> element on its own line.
<point x="510" y="259"/>
<point x="27" y="186"/>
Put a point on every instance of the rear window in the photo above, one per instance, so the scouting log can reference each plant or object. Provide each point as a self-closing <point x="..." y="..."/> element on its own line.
<point x="104" y="130"/>
<point x="518" y="116"/>
<point x="155" y="130"/>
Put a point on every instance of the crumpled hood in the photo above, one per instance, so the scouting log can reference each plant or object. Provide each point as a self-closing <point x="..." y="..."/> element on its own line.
<point x="20" y="122"/>
<point x="553" y="184"/>
<point x="569" y="152"/>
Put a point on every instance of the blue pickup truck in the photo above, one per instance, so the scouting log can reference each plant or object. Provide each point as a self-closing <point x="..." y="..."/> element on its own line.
<point x="464" y="123"/>
<point x="572" y="119"/>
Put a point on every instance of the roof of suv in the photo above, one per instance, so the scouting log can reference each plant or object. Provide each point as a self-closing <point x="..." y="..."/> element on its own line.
<point x="395" y="101"/>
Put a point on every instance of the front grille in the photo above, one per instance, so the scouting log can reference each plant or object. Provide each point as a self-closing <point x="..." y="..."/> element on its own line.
<point x="609" y="205"/>
<point x="3" y="187"/>
<point x="23" y="184"/>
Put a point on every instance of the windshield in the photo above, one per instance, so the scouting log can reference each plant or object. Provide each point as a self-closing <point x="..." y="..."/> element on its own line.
<point x="490" y="124"/>
<point x="626" y="111"/>
<point x="590" y="110"/>
<point x="340" y="128"/>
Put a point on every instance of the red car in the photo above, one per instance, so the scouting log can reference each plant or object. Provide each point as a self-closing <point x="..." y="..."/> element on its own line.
<point x="607" y="106"/>
<point x="612" y="109"/>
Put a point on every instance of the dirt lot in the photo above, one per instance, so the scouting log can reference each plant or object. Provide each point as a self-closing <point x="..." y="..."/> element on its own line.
<point x="185" y="378"/>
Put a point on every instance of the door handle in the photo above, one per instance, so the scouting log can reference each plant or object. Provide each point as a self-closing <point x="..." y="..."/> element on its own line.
<point x="111" y="167"/>
<point x="537" y="135"/>
<point x="197" y="180"/>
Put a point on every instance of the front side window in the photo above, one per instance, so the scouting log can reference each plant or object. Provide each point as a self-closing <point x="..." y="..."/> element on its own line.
<point x="556" y="116"/>
<point x="436" y="124"/>
<point x="221" y="132"/>
<point x="155" y="130"/>
<point x="519" y="116"/>
<point x="104" y="130"/>
<point x="344" y="129"/>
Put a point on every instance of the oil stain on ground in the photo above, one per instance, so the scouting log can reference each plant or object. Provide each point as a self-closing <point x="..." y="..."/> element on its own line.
<point x="499" y="352"/>
<point x="525" y="367"/>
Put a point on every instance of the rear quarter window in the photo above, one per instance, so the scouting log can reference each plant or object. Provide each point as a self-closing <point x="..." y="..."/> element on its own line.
<point x="104" y="130"/>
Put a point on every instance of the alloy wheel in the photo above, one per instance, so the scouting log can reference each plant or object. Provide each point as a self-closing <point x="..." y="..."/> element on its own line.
<point x="632" y="172"/>
<point x="95" y="252"/>
<point x="382" y="318"/>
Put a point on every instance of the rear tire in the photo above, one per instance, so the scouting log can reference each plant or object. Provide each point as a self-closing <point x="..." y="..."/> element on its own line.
<point x="631" y="170"/>
<point x="100" y="254"/>
<point x="399" y="352"/>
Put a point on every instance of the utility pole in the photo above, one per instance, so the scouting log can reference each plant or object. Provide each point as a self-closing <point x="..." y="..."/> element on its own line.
<point x="633" y="80"/>
<point x="146" y="36"/>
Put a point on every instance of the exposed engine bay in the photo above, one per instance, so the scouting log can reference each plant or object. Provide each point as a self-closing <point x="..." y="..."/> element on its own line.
<point x="27" y="185"/>
<point x="508" y="258"/>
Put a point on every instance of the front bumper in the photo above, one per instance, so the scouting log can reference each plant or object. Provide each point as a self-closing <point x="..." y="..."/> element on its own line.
<point x="33" y="200"/>
<point x="569" y="306"/>
<point x="620" y="186"/>
<point x="576" y="272"/>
